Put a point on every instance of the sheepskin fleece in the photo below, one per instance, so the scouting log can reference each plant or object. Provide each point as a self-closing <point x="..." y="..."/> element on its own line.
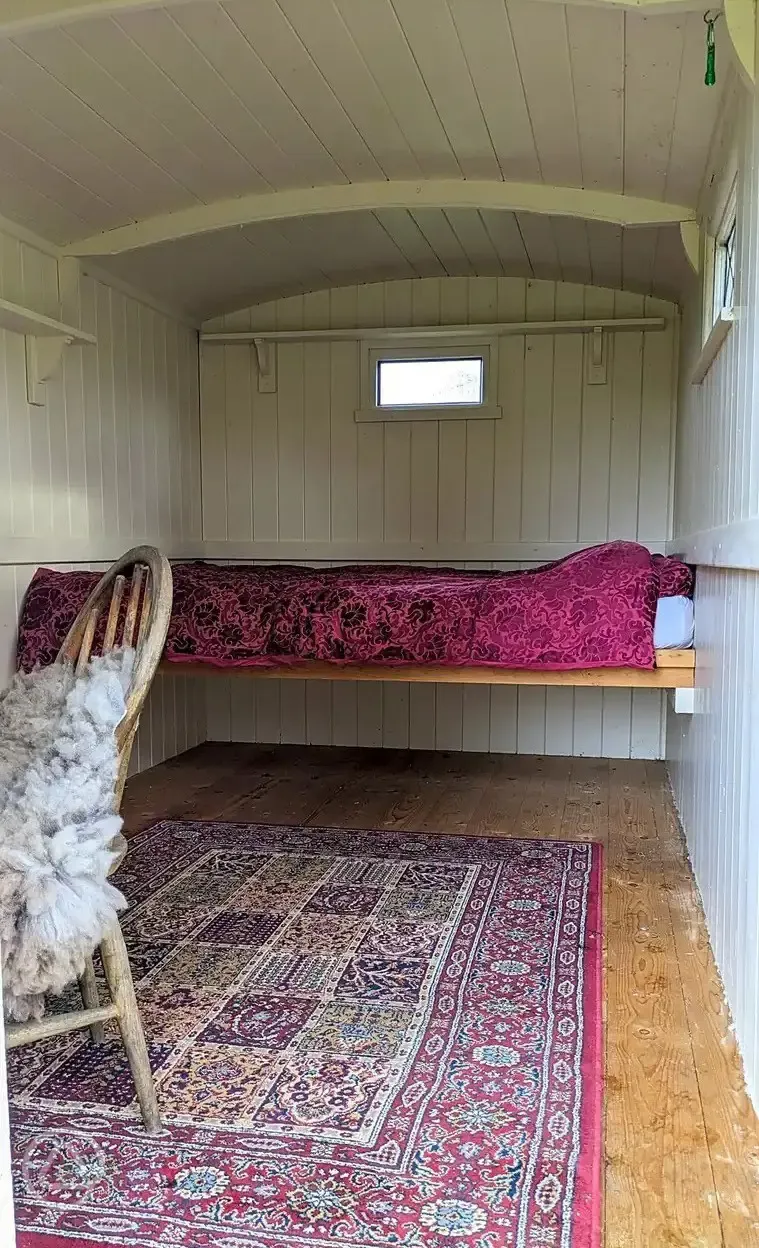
<point x="58" y="765"/>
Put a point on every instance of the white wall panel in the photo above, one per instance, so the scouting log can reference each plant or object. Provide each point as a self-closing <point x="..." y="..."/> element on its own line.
<point x="713" y="755"/>
<point x="567" y="463"/>
<point x="112" y="459"/>
<point x="712" y="759"/>
<point x="718" y="444"/>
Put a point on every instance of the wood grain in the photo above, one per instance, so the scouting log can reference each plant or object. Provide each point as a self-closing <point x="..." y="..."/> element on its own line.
<point x="675" y="669"/>
<point x="656" y="1146"/>
<point x="682" y="1140"/>
<point x="17" y="1034"/>
<point x="734" y="1156"/>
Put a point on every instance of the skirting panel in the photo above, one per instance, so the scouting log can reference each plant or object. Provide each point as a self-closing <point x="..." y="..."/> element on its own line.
<point x="597" y="723"/>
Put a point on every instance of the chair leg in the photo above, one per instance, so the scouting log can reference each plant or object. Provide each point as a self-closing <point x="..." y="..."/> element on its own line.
<point x="118" y="973"/>
<point x="91" y="999"/>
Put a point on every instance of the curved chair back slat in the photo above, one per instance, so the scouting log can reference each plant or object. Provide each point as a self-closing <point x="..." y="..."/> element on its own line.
<point x="141" y="623"/>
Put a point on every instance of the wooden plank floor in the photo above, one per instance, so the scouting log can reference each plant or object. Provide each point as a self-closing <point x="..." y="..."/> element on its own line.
<point x="682" y="1141"/>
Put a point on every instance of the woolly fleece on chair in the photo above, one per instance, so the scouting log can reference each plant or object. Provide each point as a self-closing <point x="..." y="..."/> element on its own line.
<point x="58" y="766"/>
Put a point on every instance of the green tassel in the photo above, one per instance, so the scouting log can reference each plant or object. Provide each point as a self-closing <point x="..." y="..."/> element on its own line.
<point x="710" y="77"/>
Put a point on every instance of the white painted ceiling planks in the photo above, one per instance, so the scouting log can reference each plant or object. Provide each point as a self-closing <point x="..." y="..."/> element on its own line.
<point x="137" y="109"/>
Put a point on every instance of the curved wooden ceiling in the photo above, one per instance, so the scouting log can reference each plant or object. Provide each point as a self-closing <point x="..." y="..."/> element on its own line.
<point x="213" y="273"/>
<point x="148" y="110"/>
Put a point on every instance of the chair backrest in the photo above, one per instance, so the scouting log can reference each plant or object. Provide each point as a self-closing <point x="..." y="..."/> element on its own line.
<point x="134" y="596"/>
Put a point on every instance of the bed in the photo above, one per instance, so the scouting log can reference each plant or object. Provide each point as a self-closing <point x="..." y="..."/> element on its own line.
<point x="590" y="619"/>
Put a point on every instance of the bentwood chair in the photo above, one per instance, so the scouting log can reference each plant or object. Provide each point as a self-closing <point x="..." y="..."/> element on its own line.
<point x="134" y="598"/>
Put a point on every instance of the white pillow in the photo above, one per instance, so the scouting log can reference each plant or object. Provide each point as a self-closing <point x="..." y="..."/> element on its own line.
<point x="673" y="627"/>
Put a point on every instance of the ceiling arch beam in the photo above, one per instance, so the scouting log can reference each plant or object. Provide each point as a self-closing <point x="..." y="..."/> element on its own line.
<point x="690" y="236"/>
<point x="741" y="21"/>
<point x="314" y="201"/>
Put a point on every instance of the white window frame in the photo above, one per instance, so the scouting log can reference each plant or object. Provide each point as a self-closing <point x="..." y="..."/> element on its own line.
<point x="725" y="255"/>
<point x="423" y="348"/>
<point x="718" y="313"/>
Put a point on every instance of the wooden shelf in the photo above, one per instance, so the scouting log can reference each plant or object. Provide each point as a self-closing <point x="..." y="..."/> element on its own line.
<point x="45" y="340"/>
<point x="21" y="320"/>
<point x="675" y="669"/>
<point x="497" y="329"/>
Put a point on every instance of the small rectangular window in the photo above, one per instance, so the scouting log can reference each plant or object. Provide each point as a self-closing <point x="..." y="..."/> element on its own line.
<point x="430" y="383"/>
<point x="727" y="267"/>
<point x="722" y="266"/>
<point x="429" y="380"/>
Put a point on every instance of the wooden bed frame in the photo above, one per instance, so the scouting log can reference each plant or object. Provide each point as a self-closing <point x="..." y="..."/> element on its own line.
<point x="675" y="669"/>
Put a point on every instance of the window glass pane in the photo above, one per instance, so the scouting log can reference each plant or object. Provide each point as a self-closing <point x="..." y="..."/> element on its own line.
<point x="724" y="271"/>
<point x="728" y="281"/>
<point x="429" y="383"/>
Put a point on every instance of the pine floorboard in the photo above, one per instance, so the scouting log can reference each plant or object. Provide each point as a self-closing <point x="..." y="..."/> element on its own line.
<point x="681" y="1137"/>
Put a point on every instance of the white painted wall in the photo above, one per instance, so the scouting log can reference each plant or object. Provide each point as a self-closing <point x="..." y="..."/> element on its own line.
<point x="112" y="459"/>
<point x="713" y="756"/>
<point x="291" y="476"/>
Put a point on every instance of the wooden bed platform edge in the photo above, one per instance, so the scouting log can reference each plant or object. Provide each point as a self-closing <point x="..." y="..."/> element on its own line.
<point x="675" y="669"/>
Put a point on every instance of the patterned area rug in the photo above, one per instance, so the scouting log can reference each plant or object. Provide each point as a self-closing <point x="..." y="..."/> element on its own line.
<point x="359" y="1038"/>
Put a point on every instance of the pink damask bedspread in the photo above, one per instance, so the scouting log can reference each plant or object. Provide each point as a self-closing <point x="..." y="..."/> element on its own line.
<point x="592" y="609"/>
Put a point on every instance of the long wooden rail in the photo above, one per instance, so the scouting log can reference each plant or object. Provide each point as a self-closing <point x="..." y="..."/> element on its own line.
<point x="675" y="669"/>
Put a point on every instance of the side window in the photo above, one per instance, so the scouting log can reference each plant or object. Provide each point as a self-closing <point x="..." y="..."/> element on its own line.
<point x="723" y="288"/>
<point x="721" y="260"/>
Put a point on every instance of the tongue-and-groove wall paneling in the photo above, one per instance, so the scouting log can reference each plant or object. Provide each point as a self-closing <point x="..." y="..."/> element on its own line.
<point x="291" y="474"/>
<point x="113" y="458"/>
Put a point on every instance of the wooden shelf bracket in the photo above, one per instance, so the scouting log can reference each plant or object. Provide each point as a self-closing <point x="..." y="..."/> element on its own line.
<point x="45" y="340"/>
<point x="43" y="359"/>
<point x="266" y="359"/>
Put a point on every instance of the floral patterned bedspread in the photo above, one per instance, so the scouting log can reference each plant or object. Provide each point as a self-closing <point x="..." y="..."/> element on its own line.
<point x="595" y="608"/>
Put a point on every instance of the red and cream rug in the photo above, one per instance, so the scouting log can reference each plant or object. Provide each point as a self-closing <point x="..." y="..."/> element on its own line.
<point x="359" y="1038"/>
